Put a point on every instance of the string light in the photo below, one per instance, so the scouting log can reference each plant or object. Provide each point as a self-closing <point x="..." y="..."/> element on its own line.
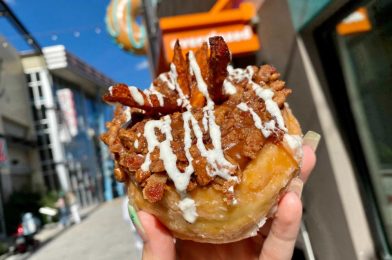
<point x="55" y="35"/>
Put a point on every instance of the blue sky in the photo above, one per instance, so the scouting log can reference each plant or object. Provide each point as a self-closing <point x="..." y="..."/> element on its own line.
<point x="80" y="27"/>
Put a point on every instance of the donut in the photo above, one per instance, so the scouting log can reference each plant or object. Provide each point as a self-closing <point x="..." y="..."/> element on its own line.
<point x="122" y="25"/>
<point x="207" y="149"/>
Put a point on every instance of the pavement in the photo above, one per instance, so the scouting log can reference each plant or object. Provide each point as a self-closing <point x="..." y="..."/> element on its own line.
<point x="105" y="233"/>
<point x="48" y="233"/>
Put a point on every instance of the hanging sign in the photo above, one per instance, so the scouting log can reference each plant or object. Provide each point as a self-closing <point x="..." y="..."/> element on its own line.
<point x="234" y="25"/>
<point x="357" y="22"/>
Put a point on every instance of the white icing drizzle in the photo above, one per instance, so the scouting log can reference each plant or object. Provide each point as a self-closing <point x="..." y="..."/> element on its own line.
<point x="230" y="69"/>
<point x="212" y="156"/>
<point x="229" y="88"/>
<point x="172" y="84"/>
<point x="188" y="208"/>
<point x="215" y="156"/>
<point x="271" y="106"/>
<point x="195" y="70"/>
<point x="111" y="90"/>
<point x="163" y="77"/>
<point x="236" y="74"/>
<point x="136" y="144"/>
<point x="205" y="120"/>
<point x="295" y="143"/>
<point x="158" y="94"/>
<point x="181" y="180"/>
<point x="266" y="95"/>
<point x="147" y="92"/>
<point x="266" y="129"/>
<point x="221" y="167"/>
<point x="136" y="95"/>
<point x="128" y="116"/>
<point x="187" y="142"/>
<point x="217" y="163"/>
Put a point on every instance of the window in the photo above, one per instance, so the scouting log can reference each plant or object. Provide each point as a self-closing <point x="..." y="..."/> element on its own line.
<point x="37" y="76"/>
<point x="366" y="59"/>
<point x="40" y="94"/>
<point x="43" y="112"/>
<point x="28" y="77"/>
<point x="356" y="52"/>
<point x="31" y="93"/>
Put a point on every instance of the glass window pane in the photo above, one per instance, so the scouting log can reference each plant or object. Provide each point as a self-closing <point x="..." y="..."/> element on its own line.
<point x="364" y="41"/>
<point x="40" y="94"/>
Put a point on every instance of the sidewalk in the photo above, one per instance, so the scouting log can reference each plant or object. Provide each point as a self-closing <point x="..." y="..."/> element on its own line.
<point x="105" y="234"/>
<point x="50" y="232"/>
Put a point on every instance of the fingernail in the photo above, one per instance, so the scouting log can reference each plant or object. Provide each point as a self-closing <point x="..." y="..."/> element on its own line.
<point x="296" y="186"/>
<point x="312" y="139"/>
<point x="136" y="222"/>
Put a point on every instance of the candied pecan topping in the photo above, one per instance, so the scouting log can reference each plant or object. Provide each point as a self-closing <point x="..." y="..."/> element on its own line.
<point x="155" y="186"/>
<point x="177" y="91"/>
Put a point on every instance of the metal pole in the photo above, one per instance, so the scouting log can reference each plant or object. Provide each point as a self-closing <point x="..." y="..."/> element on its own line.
<point x="108" y="190"/>
<point x="151" y="24"/>
<point x="2" y="217"/>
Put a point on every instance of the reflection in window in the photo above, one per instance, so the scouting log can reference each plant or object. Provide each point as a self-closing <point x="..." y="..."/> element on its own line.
<point x="364" y="41"/>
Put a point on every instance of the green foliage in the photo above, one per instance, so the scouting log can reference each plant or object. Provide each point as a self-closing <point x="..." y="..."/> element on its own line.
<point x="3" y="248"/>
<point x="49" y="199"/>
<point x="26" y="201"/>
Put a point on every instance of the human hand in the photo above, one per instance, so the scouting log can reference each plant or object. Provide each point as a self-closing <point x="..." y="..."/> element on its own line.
<point x="275" y="240"/>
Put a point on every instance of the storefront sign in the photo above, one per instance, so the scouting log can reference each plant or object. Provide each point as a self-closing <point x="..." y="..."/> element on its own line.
<point x="356" y="22"/>
<point x="67" y="107"/>
<point x="234" y="25"/>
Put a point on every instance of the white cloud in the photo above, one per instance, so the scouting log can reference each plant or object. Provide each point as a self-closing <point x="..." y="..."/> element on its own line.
<point x="143" y="65"/>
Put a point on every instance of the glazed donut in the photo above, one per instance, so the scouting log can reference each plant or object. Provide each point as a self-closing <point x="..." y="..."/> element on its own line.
<point x="207" y="149"/>
<point x="122" y="25"/>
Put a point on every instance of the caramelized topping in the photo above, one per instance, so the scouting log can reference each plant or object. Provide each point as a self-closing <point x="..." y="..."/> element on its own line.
<point x="200" y="124"/>
<point x="219" y="60"/>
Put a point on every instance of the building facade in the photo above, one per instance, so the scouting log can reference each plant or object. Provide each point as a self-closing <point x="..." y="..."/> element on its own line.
<point x="69" y="116"/>
<point x="19" y="158"/>
<point x="338" y="63"/>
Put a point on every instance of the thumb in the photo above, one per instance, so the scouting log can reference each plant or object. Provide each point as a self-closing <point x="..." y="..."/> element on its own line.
<point x="158" y="241"/>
